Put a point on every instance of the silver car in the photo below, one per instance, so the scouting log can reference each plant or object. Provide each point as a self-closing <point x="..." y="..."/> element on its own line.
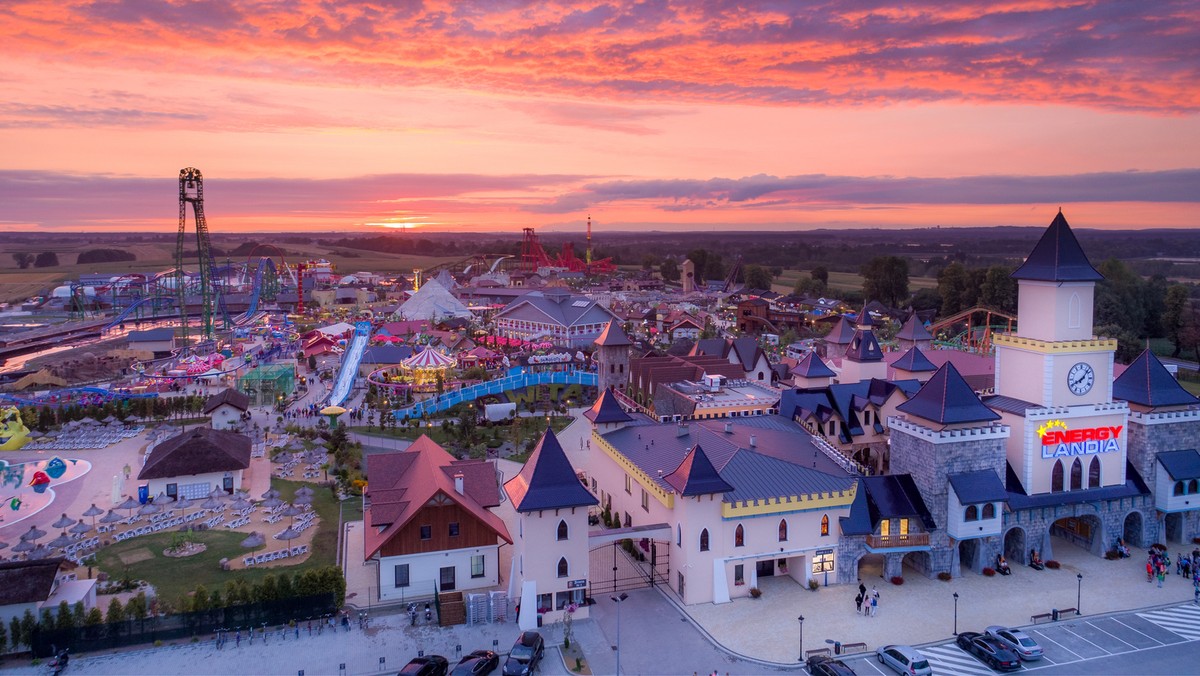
<point x="1018" y="641"/>
<point x="904" y="659"/>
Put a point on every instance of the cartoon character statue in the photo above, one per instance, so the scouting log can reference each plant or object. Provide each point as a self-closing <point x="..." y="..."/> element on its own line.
<point x="13" y="433"/>
<point x="40" y="481"/>
<point x="56" y="467"/>
<point x="15" y="503"/>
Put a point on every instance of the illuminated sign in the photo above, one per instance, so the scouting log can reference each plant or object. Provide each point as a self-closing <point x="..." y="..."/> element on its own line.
<point x="1058" y="441"/>
<point x="555" y="358"/>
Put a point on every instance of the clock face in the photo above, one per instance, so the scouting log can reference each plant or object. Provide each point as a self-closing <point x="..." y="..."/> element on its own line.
<point x="1080" y="378"/>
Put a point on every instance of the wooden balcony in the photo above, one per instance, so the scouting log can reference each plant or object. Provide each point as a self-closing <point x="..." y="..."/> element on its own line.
<point x="891" y="541"/>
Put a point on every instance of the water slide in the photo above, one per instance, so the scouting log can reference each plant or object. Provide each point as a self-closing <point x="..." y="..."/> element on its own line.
<point x="515" y="380"/>
<point x="350" y="361"/>
<point x="134" y="306"/>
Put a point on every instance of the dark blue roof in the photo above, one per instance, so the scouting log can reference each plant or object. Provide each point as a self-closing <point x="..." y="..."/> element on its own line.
<point x="1008" y="404"/>
<point x="1018" y="499"/>
<point x="859" y="521"/>
<point x="915" y="361"/>
<point x="811" y="366"/>
<point x="864" y="347"/>
<point x="1147" y="382"/>
<point x="895" y="496"/>
<point x="947" y="399"/>
<point x="607" y="410"/>
<point x="1058" y="257"/>
<point x="697" y="476"/>
<point x="1181" y="464"/>
<point x="978" y="486"/>
<point x="547" y="480"/>
<point x="913" y="330"/>
<point x="840" y="398"/>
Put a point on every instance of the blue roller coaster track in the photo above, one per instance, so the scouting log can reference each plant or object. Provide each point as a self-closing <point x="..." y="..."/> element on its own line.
<point x="155" y="302"/>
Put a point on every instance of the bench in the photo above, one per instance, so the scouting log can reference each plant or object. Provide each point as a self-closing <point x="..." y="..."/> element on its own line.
<point x="854" y="648"/>
<point x="1065" y="611"/>
<point x="818" y="651"/>
<point x="1034" y="619"/>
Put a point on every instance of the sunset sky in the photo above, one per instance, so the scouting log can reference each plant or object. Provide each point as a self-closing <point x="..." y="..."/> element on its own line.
<point x="708" y="114"/>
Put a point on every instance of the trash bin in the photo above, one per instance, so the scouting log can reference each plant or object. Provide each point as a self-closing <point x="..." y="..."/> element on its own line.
<point x="837" y="647"/>
<point x="1054" y="614"/>
<point x="539" y="618"/>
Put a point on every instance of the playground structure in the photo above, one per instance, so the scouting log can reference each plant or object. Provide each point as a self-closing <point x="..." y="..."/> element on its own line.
<point x="351" y="358"/>
<point x="976" y="336"/>
<point x="212" y="301"/>
<point x="534" y="257"/>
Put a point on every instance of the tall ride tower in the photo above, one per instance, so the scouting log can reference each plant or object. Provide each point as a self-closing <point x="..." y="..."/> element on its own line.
<point x="191" y="191"/>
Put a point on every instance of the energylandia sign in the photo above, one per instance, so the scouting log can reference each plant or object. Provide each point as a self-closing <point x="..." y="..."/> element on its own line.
<point x="1058" y="441"/>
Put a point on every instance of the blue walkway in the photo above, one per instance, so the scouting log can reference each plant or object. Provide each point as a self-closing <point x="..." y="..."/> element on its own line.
<point x="515" y="380"/>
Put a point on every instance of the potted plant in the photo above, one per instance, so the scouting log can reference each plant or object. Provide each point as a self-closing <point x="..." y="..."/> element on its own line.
<point x="813" y="585"/>
<point x="755" y="592"/>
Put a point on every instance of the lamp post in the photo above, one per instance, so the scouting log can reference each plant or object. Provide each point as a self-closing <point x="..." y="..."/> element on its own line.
<point x="956" y="613"/>
<point x="618" y="600"/>
<point x="1078" y="592"/>
<point x="801" y="618"/>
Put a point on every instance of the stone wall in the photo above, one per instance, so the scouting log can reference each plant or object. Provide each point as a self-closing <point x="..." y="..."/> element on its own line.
<point x="1109" y="515"/>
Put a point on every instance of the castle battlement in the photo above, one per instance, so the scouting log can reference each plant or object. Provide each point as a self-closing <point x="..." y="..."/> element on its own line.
<point x="1165" y="417"/>
<point x="991" y="431"/>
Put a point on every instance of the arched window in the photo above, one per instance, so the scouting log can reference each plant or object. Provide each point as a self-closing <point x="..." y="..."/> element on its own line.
<point x="678" y="535"/>
<point x="825" y="524"/>
<point x="1074" y="312"/>
<point x="989" y="511"/>
<point x="562" y="530"/>
<point x="739" y="536"/>
<point x="1056" y="477"/>
<point x="972" y="513"/>
<point x="1094" y="473"/>
<point x="1192" y="486"/>
<point x="783" y="530"/>
<point x="563" y="569"/>
<point x="1076" y="474"/>
<point x="704" y="540"/>
<point x="1180" y="488"/>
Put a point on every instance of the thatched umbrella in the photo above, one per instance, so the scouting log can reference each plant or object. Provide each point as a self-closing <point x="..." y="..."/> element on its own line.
<point x="163" y="499"/>
<point x="111" y="517"/>
<point x="33" y="534"/>
<point x="271" y="493"/>
<point x="212" y="503"/>
<point x="93" y="512"/>
<point x="3" y="545"/>
<point x="304" y="490"/>
<point x="302" y="499"/>
<point x="40" y="552"/>
<point x="240" y="503"/>
<point x="183" y="503"/>
<point x="288" y="533"/>
<point x="255" y="540"/>
<point x="130" y="503"/>
<point x="149" y="508"/>
<point x="60" y="541"/>
<point x="241" y="494"/>
<point x="292" y="511"/>
<point x="24" y="546"/>
<point x="63" y="522"/>
<point x="271" y="503"/>
<point x="79" y="528"/>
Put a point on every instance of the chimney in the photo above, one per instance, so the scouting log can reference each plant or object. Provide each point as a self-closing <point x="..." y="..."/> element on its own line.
<point x="682" y="430"/>
<point x="458" y="483"/>
<point x="753" y="441"/>
<point x="728" y="428"/>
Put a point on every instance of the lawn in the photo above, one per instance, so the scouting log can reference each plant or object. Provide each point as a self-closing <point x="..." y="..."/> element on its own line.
<point x="142" y="559"/>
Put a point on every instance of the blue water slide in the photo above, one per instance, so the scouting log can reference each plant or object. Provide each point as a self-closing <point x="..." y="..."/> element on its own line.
<point x="350" y="361"/>
<point x="134" y="306"/>
<point x="515" y="380"/>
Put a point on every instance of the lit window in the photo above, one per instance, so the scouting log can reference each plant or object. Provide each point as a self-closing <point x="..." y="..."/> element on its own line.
<point x="825" y="524"/>
<point x="739" y="536"/>
<point x="783" y="530"/>
<point x="704" y="540"/>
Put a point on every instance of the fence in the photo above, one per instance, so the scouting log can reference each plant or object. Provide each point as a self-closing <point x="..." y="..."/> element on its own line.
<point x="181" y="625"/>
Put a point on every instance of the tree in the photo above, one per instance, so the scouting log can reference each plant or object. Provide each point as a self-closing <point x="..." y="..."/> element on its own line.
<point x="80" y="614"/>
<point x="23" y="259"/>
<point x="953" y="283"/>
<point x="757" y="277"/>
<point x="66" y="618"/>
<point x="116" y="612"/>
<point x="999" y="289"/>
<point x="820" y="274"/>
<point x="94" y="618"/>
<point x="14" y="631"/>
<point x="808" y="285"/>
<point x="885" y="278"/>
<point x="46" y="259"/>
<point x="4" y="639"/>
<point x="1174" y="317"/>
<point x="669" y="270"/>
<point x="927" y="299"/>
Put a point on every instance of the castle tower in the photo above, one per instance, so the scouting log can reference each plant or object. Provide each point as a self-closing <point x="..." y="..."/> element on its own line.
<point x="550" y="551"/>
<point x="810" y="371"/>
<point x="863" y="358"/>
<point x="612" y="357"/>
<point x="914" y="334"/>
<point x="689" y="275"/>
<point x="834" y="344"/>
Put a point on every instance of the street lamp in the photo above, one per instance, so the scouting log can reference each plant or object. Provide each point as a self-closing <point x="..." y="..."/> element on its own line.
<point x="617" y="600"/>
<point x="1078" y="591"/>
<point x="801" y="618"/>
<point x="956" y="613"/>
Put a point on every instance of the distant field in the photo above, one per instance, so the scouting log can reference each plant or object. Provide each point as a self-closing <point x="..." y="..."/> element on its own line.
<point x="843" y="281"/>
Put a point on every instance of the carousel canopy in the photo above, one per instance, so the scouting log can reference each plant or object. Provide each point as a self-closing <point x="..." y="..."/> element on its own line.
<point x="428" y="358"/>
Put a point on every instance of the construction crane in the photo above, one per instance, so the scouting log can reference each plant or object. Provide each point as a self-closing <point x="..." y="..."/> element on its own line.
<point x="191" y="191"/>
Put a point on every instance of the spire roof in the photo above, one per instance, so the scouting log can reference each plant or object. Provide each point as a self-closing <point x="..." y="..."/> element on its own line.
<point x="1147" y="382"/>
<point x="697" y="476"/>
<point x="811" y="366"/>
<point x="613" y="336"/>
<point x="1058" y="257"/>
<point x="914" y="361"/>
<point x="864" y="346"/>
<point x="947" y="399"/>
<point x="606" y="409"/>
<point x="913" y="330"/>
<point x="841" y="333"/>
<point x="547" y="480"/>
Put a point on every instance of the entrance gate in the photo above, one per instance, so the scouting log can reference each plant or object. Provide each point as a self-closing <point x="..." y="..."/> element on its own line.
<point x="628" y="564"/>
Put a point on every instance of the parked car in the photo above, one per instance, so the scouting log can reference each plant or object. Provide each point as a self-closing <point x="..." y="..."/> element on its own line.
<point x="429" y="665"/>
<point x="989" y="650"/>
<point x="477" y="663"/>
<point x="823" y="665"/>
<point x="525" y="654"/>
<point x="1017" y="641"/>
<point x="904" y="659"/>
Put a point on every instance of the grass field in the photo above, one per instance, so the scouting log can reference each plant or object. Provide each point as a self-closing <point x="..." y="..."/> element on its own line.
<point x="142" y="558"/>
<point x="843" y="281"/>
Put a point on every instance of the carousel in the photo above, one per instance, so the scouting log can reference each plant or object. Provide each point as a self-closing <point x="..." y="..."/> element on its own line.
<point x="427" y="367"/>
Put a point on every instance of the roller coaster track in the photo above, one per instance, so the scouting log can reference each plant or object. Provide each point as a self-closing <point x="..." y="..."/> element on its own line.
<point x="160" y="300"/>
<point x="514" y="381"/>
<point x="252" y="309"/>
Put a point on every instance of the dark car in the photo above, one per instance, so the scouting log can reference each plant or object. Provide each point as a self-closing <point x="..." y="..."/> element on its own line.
<point x="525" y="654"/>
<point x="430" y="665"/>
<point x="990" y="650"/>
<point x="823" y="665"/>
<point x="477" y="663"/>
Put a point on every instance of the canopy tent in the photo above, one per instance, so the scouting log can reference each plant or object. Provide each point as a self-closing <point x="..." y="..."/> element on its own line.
<point x="432" y="301"/>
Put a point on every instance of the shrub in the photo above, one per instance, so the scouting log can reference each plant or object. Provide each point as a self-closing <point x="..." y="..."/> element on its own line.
<point x="897" y="580"/>
<point x="989" y="572"/>
<point x="813" y="585"/>
<point x="755" y="592"/>
<point x="1053" y="565"/>
<point x="944" y="576"/>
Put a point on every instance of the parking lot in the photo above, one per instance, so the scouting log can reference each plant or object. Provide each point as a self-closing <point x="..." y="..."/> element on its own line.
<point x="1070" y="641"/>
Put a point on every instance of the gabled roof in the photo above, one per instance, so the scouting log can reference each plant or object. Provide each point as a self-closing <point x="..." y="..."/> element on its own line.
<point x="1057" y="257"/>
<point x="748" y="351"/>
<point x="977" y="486"/>
<point x="402" y="483"/>
<point x="840" y="398"/>
<point x="841" y="333"/>
<point x="227" y="396"/>
<point x="547" y="480"/>
<point x="613" y="336"/>
<point x="713" y="347"/>
<point x="947" y="399"/>
<point x="199" y="450"/>
<point x="914" y="361"/>
<point x="27" y="581"/>
<point x="697" y="476"/>
<point x="1147" y="382"/>
<point x="1181" y="464"/>
<point x="811" y="366"/>
<point x="606" y="409"/>
<point x="864" y="347"/>
<point x="895" y="496"/>
<point x="913" y="330"/>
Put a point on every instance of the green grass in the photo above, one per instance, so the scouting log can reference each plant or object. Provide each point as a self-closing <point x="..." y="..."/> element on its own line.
<point x="1190" y="386"/>
<point x="173" y="578"/>
<point x="843" y="281"/>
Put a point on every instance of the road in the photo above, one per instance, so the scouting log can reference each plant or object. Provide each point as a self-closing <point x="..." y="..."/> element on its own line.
<point x="1120" y="643"/>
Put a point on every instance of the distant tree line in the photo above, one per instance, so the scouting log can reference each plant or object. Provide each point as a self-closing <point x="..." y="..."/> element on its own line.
<point x="105" y="256"/>
<point x="46" y="259"/>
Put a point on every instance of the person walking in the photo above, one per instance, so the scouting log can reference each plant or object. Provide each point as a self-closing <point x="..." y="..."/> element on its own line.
<point x="858" y="601"/>
<point x="862" y="589"/>
<point x="1162" y="574"/>
<point x="874" y="605"/>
